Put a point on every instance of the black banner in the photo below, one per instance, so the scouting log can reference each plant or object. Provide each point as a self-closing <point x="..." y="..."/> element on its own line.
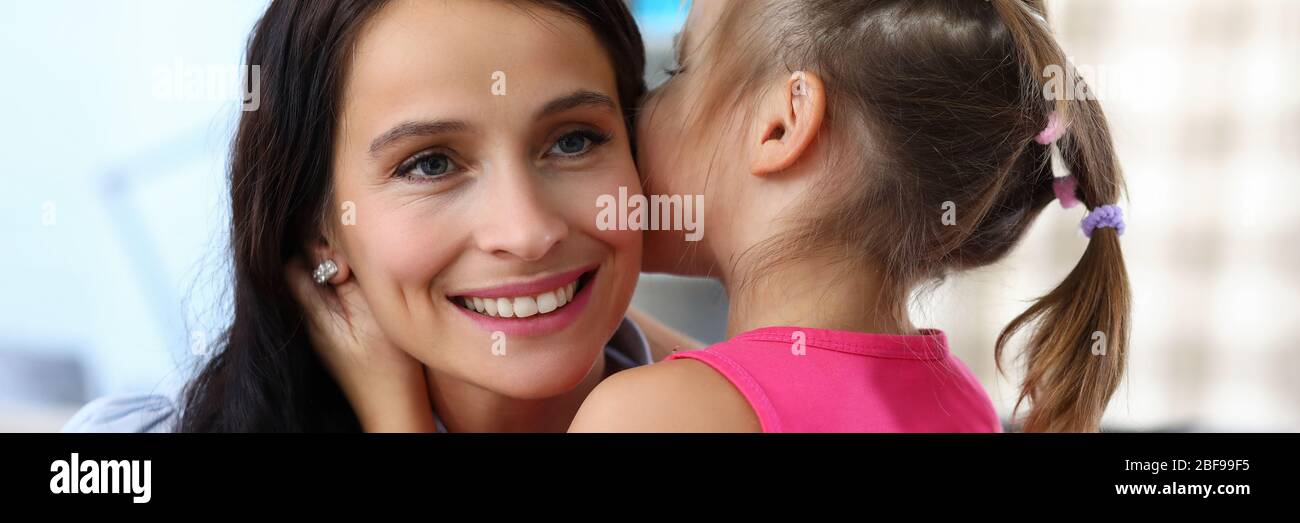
<point x="143" y="472"/>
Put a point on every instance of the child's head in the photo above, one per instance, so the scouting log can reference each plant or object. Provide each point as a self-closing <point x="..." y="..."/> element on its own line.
<point x="898" y="136"/>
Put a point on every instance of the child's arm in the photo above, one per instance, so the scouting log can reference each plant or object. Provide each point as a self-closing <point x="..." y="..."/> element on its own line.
<point x="672" y="396"/>
<point x="385" y="386"/>
<point x="664" y="340"/>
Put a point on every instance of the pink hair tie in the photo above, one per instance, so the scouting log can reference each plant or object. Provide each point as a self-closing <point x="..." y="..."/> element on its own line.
<point x="1055" y="128"/>
<point x="1064" y="187"/>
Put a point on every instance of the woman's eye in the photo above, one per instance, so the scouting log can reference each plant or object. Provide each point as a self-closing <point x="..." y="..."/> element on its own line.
<point x="577" y="143"/>
<point x="429" y="165"/>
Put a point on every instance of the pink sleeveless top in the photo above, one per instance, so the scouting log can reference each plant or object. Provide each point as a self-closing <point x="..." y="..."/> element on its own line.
<point x="814" y="380"/>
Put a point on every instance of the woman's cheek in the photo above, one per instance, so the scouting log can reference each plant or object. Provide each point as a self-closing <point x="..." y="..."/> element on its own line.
<point x="403" y="248"/>
<point x="588" y="194"/>
<point x="592" y="197"/>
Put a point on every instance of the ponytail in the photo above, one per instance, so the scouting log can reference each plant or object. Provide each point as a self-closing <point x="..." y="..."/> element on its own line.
<point x="1078" y="333"/>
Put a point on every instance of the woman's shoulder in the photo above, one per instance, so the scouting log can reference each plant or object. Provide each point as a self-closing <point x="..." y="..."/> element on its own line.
<point x="126" y="413"/>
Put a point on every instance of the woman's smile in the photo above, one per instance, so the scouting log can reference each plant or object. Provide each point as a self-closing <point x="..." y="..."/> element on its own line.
<point x="536" y="307"/>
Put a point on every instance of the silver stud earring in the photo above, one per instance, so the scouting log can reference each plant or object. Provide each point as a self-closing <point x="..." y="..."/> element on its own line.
<point x="326" y="270"/>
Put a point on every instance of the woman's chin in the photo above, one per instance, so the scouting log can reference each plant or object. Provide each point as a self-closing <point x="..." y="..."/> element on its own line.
<point x="544" y="374"/>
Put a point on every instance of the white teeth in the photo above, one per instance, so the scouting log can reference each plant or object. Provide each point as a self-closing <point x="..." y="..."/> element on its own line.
<point x="546" y="302"/>
<point x="522" y="306"/>
<point x="525" y="306"/>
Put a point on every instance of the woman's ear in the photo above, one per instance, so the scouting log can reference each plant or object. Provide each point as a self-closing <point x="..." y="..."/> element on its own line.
<point x="326" y="247"/>
<point x="788" y="122"/>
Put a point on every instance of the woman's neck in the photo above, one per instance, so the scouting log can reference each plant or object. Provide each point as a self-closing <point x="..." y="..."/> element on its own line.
<point x="465" y="407"/>
<point x="816" y="293"/>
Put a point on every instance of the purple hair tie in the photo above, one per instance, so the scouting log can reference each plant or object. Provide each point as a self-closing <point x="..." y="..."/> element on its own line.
<point x="1064" y="187"/>
<point x="1102" y="217"/>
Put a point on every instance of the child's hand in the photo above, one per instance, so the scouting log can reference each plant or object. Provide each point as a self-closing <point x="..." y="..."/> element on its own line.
<point x="385" y="385"/>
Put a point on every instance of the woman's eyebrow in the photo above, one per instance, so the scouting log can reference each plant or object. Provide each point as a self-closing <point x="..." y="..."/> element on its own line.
<point x="416" y="128"/>
<point x="579" y="98"/>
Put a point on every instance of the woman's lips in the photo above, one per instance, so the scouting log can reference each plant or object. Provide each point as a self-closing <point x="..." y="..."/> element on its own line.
<point x="526" y="288"/>
<point x="534" y="308"/>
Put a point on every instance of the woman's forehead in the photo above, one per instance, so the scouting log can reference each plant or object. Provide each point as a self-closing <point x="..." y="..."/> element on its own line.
<point x="469" y="58"/>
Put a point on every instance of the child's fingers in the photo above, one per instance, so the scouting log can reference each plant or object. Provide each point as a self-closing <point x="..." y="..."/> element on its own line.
<point x="339" y="317"/>
<point x="315" y="303"/>
<point x="353" y="303"/>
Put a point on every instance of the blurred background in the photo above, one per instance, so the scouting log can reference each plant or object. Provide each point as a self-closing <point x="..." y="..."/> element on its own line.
<point x="114" y="222"/>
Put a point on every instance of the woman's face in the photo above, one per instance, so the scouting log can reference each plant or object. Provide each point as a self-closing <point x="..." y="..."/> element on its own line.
<point x="474" y="141"/>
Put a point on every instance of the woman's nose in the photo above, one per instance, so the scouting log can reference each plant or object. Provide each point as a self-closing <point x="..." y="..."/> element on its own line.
<point x="519" y="219"/>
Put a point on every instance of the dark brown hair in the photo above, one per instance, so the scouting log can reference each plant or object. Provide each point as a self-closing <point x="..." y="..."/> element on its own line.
<point x="935" y="104"/>
<point x="264" y="375"/>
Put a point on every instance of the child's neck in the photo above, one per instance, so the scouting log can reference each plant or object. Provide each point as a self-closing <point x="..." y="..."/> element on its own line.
<point x="816" y="294"/>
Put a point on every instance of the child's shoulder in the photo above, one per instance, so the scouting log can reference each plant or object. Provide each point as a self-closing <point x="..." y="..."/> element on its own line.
<point x="680" y="395"/>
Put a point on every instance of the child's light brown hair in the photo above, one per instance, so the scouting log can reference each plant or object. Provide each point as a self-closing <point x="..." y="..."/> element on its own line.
<point x="933" y="104"/>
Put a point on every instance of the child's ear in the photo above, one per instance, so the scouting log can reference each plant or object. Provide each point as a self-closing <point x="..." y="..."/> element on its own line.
<point x="788" y="122"/>
<point x="325" y="247"/>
